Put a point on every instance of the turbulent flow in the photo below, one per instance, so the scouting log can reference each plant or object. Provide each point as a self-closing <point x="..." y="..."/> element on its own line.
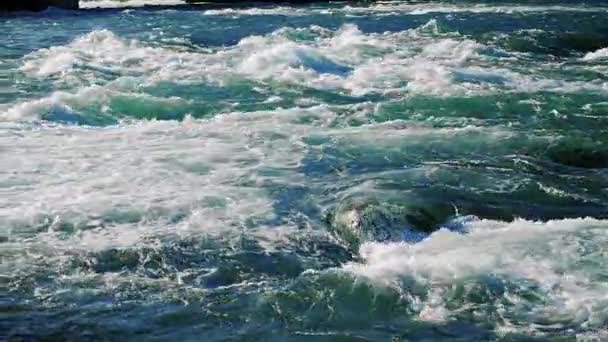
<point x="365" y="172"/>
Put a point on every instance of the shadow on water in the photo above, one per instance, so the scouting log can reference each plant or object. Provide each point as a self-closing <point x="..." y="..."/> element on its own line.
<point x="329" y="306"/>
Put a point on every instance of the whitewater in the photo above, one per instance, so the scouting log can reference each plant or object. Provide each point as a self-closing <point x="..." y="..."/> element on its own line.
<point x="330" y="171"/>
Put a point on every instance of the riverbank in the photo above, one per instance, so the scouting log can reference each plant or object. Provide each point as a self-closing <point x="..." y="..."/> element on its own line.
<point x="40" y="5"/>
<point x="37" y="5"/>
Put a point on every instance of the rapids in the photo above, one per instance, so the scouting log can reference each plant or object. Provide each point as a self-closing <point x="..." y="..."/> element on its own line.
<point x="388" y="171"/>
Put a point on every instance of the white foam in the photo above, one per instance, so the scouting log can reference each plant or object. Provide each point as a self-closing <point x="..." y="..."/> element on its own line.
<point x="401" y="8"/>
<point x="434" y="309"/>
<point x="90" y="4"/>
<point x="547" y="254"/>
<point x="76" y="185"/>
<point x="31" y="110"/>
<point x="279" y="10"/>
<point x="97" y="96"/>
<point x="214" y="172"/>
<point x="102" y="47"/>
<point x="599" y="54"/>
<point x="421" y="60"/>
<point x="408" y="59"/>
<point x="99" y="54"/>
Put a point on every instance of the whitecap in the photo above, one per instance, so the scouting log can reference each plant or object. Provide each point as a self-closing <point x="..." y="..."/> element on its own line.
<point x="599" y="54"/>
<point x="91" y="4"/>
<point x="420" y="61"/>
<point x="547" y="254"/>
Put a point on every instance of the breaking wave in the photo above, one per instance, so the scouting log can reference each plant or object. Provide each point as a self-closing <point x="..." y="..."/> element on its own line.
<point x="595" y="55"/>
<point x="416" y="61"/>
<point x="533" y="265"/>
<point x="391" y="171"/>
<point x="91" y="4"/>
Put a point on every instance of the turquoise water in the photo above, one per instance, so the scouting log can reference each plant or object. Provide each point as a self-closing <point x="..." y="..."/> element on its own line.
<point x="327" y="172"/>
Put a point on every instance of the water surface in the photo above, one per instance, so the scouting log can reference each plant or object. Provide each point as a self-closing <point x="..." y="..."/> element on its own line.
<point x="391" y="171"/>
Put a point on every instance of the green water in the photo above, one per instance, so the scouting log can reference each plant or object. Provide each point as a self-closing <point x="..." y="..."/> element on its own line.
<point x="331" y="172"/>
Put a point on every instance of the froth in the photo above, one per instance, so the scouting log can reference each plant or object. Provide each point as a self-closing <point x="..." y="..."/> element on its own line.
<point x="599" y="54"/>
<point x="424" y="9"/>
<point x="100" y="46"/>
<point x="401" y="8"/>
<point x="422" y="60"/>
<point x="128" y="3"/>
<point x="544" y="253"/>
<point x="285" y="11"/>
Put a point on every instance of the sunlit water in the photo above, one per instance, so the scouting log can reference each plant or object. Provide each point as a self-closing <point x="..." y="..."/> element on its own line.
<point x="392" y="171"/>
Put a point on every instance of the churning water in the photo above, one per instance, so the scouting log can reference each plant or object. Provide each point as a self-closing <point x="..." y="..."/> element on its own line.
<point x="401" y="171"/>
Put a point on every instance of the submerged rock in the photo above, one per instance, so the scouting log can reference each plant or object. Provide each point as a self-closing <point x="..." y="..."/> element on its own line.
<point x="579" y="152"/>
<point x="358" y="221"/>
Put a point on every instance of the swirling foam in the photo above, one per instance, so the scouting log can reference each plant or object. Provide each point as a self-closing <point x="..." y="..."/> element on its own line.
<point x="595" y="55"/>
<point x="417" y="61"/>
<point x="90" y="4"/>
<point x="548" y="255"/>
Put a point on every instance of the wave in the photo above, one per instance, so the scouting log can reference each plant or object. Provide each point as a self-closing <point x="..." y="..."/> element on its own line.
<point x="403" y="8"/>
<point x="412" y="184"/>
<point x="447" y="255"/>
<point x="279" y="10"/>
<point x="543" y="257"/>
<point x="90" y="4"/>
<point x="595" y="55"/>
<point x="424" y="9"/>
<point x="101" y="55"/>
<point x="559" y="44"/>
<point x="423" y="60"/>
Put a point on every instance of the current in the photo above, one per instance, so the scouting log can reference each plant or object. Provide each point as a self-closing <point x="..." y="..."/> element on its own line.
<point x="387" y="171"/>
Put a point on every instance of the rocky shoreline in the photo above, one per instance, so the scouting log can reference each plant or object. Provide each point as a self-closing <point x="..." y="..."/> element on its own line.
<point x="37" y="5"/>
<point x="40" y="5"/>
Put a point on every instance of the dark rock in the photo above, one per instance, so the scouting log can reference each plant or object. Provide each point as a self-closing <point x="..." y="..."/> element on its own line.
<point x="359" y="220"/>
<point x="579" y="152"/>
<point x="36" y="5"/>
